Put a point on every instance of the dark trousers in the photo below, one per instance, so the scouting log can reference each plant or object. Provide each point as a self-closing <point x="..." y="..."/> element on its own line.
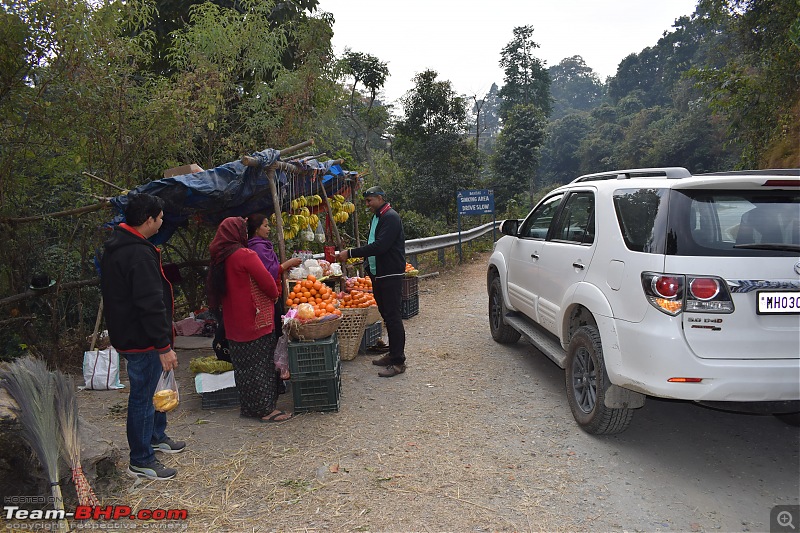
<point x="388" y="294"/>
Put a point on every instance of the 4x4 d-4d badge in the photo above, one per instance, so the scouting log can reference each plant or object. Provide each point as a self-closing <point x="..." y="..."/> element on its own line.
<point x="797" y="267"/>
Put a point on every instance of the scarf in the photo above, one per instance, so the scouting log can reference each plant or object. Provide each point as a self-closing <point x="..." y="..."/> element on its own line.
<point x="372" y="228"/>
<point x="231" y="235"/>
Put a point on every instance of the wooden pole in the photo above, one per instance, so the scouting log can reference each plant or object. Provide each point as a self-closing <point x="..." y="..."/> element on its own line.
<point x="276" y="208"/>
<point x="253" y="162"/>
<point x="77" y="211"/>
<point x="355" y="214"/>
<point x="97" y="325"/>
<point x="337" y="238"/>
<point x="296" y="147"/>
<point x="101" y="180"/>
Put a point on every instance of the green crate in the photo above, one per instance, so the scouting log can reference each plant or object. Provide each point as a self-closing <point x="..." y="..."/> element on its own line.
<point x="311" y="358"/>
<point x="372" y="334"/>
<point x="318" y="394"/>
<point x="410" y="307"/>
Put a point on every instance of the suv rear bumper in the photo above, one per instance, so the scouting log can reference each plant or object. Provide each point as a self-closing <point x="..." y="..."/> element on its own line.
<point x="651" y="358"/>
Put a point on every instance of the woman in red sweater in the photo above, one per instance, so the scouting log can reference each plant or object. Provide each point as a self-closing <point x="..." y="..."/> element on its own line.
<point x="239" y="282"/>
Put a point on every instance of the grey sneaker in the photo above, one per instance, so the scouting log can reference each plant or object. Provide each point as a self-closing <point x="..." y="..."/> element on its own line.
<point x="154" y="470"/>
<point x="169" y="446"/>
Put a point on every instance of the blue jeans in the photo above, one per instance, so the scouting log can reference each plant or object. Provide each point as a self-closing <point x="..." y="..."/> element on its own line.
<point x="145" y="426"/>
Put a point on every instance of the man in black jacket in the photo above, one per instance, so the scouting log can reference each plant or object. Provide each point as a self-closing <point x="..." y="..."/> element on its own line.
<point x="386" y="264"/>
<point x="138" y="309"/>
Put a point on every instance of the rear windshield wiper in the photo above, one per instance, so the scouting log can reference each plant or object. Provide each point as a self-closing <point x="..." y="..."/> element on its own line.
<point x="769" y="246"/>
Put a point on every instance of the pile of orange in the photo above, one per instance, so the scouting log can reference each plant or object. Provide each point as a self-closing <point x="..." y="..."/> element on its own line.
<point x="409" y="267"/>
<point x="320" y="296"/>
<point x="358" y="284"/>
<point x="357" y="299"/>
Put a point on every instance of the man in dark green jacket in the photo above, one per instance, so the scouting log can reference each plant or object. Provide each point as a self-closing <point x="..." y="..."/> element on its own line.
<point x="138" y="307"/>
<point x="386" y="263"/>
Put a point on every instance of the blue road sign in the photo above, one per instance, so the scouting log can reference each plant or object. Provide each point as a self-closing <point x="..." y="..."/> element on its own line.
<point x="475" y="202"/>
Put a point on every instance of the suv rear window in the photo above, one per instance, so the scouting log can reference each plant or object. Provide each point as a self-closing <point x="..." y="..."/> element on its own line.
<point x="710" y="222"/>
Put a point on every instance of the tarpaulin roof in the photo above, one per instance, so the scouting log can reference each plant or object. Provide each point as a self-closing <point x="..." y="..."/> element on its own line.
<point x="234" y="189"/>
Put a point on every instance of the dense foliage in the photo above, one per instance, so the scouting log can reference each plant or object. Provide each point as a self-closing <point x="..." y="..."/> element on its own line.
<point x="124" y="90"/>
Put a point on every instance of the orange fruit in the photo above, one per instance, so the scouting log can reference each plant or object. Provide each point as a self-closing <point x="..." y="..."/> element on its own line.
<point x="311" y="278"/>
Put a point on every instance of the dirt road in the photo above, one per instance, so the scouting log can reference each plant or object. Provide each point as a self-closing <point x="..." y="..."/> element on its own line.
<point x="475" y="436"/>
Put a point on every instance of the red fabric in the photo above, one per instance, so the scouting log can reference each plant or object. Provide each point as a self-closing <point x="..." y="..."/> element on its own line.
<point x="240" y="309"/>
<point x="231" y="235"/>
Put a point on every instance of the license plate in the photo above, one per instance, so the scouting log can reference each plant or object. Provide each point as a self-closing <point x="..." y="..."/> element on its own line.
<point x="778" y="302"/>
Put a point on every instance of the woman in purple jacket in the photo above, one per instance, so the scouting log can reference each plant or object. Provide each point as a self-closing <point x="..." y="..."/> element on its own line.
<point x="257" y="233"/>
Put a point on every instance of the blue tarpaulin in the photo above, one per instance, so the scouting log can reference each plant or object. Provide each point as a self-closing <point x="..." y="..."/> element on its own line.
<point x="233" y="189"/>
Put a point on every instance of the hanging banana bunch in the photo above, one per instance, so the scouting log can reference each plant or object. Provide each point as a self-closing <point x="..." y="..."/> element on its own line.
<point x="341" y="208"/>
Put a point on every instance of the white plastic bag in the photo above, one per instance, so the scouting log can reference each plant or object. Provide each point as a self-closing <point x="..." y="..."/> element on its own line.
<point x="101" y="369"/>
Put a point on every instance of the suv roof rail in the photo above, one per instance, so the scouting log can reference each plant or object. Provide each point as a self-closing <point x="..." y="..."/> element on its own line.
<point x="763" y="172"/>
<point x="665" y="172"/>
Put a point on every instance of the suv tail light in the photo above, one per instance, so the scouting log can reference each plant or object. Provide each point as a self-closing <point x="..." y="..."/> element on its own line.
<point x="674" y="293"/>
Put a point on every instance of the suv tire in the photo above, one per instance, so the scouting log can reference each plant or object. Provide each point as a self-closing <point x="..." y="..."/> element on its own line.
<point x="501" y="332"/>
<point x="587" y="382"/>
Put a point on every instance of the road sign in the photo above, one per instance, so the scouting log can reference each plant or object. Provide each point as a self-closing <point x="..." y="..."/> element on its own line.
<point x="475" y="202"/>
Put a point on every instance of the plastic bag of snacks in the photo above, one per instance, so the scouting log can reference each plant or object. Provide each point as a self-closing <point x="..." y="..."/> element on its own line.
<point x="166" y="397"/>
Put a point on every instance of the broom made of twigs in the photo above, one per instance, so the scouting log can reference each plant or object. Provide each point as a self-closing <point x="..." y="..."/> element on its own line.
<point x="67" y="411"/>
<point x="31" y="385"/>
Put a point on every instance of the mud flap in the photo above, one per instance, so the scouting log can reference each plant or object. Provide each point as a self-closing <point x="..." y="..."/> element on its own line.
<point x="620" y="398"/>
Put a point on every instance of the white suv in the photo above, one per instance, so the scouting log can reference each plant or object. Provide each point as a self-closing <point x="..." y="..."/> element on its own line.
<point x="657" y="282"/>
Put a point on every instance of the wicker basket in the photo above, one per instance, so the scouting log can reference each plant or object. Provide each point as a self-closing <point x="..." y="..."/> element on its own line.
<point x="350" y="332"/>
<point x="373" y="315"/>
<point x="314" y="330"/>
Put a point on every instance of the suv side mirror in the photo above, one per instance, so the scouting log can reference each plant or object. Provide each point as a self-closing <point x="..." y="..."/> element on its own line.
<point x="510" y="226"/>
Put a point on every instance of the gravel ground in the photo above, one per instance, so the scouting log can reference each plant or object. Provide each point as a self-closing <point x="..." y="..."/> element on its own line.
<point x="475" y="436"/>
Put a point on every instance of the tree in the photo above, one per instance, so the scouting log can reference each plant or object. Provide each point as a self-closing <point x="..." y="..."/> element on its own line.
<point x="526" y="79"/>
<point x="574" y="87"/>
<point x="560" y="157"/>
<point x="174" y="15"/>
<point x="517" y="155"/>
<point x="430" y="144"/>
<point x="485" y="119"/>
<point x="366" y="118"/>
<point x="757" y="89"/>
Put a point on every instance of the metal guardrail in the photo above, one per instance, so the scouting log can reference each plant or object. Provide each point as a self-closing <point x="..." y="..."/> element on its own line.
<point x="438" y="242"/>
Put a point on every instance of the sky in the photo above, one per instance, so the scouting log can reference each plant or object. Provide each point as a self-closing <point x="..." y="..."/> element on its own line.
<point x="462" y="39"/>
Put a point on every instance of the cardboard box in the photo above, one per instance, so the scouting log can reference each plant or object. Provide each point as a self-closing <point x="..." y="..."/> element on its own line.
<point x="179" y="171"/>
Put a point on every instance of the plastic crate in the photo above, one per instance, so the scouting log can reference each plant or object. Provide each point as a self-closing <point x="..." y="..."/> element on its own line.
<point x="410" y="307"/>
<point x="228" y="397"/>
<point x="310" y="358"/>
<point x="410" y="287"/>
<point x="320" y="394"/>
<point x="372" y="333"/>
